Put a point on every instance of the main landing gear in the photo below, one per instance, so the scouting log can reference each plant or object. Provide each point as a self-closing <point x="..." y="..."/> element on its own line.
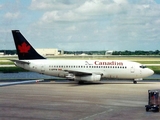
<point x="81" y="82"/>
<point x="134" y="82"/>
<point x="137" y="79"/>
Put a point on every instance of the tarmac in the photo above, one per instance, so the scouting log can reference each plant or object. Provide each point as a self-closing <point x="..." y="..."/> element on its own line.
<point x="69" y="101"/>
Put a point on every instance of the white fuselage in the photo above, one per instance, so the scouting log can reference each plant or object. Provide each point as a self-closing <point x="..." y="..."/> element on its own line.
<point x="112" y="69"/>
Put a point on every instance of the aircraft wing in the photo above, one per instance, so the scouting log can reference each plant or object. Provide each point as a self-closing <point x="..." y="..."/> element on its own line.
<point x="82" y="73"/>
<point x="21" y="82"/>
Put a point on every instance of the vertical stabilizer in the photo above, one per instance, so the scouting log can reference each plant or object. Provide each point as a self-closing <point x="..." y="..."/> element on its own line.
<point x="24" y="49"/>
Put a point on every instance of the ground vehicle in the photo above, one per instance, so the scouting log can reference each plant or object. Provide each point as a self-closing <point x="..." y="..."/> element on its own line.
<point x="153" y="100"/>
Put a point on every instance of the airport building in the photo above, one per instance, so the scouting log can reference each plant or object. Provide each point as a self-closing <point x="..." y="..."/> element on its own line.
<point x="109" y="52"/>
<point x="1" y="53"/>
<point x="48" y="52"/>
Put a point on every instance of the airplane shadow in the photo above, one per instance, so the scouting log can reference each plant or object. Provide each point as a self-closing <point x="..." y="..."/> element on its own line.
<point x="74" y="83"/>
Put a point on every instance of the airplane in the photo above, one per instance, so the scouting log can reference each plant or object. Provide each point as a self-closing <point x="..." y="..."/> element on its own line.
<point x="76" y="70"/>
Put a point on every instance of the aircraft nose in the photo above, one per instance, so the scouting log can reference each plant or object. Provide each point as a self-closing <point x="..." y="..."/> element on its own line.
<point x="150" y="72"/>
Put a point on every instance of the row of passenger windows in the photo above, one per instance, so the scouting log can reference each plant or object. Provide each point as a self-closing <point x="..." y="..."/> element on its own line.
<point x="124" y="67"/>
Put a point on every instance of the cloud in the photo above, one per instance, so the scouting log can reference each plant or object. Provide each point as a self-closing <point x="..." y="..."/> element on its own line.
<point x="50" y="4"/>
<point x="85" y="24"/>
<point x="117" y="11"/>
<point x="89" y="10"/>
<point x="121" y="1"/>
<point x="71" y="28"/>
<point x="1" y="6"/>
<point x="103" y="7"/>
<point x="10" y="15"/>
<point x="53" y="16"/>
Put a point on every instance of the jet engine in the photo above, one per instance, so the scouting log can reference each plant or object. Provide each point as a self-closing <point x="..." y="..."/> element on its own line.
<point x="92" y="77"/>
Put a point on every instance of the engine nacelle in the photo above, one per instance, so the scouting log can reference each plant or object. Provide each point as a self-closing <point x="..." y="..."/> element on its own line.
<point x="92" y="77"/>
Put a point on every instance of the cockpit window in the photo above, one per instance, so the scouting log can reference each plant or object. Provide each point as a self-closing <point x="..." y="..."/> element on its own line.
<point x="142" y="66"/>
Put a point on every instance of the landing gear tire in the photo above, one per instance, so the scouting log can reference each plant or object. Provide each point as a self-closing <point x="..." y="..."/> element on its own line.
<point x="157" y="110"/>
<point x="135" y="82"/>
<point x="80" y="82"/>
<point x="147" y="109"/>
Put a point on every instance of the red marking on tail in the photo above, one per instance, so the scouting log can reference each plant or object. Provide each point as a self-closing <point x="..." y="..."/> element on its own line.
<point x="24" y="48"/>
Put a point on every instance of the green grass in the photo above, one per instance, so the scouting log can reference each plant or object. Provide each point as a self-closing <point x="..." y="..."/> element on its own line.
<point x="156" y="69"/>
<point x="11" y="69"/>
<point x="148" y="62"/>
<point x="6" y="63"/>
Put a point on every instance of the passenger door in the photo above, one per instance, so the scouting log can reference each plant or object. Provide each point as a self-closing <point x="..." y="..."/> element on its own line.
<point x="42" y="69"/>
<point x="132" y="69"/>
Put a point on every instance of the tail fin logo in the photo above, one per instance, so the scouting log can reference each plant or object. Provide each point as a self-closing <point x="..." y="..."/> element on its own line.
<point x="24" y="48"/>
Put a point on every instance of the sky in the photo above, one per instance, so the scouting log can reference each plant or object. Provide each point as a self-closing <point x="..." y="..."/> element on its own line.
<point x="82" y="25"/>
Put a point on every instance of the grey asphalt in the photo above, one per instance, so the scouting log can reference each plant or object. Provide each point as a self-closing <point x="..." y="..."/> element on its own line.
<point x="69" y="101"/>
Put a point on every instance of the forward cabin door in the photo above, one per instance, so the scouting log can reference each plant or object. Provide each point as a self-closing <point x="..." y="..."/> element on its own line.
<point x="42" y="69"/>
<point x="132" y="69"/>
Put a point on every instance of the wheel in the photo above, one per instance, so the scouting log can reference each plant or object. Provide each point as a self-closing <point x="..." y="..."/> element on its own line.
<point x="80" y="82"/>
<point x="157" y="109"/>
<point x="147" y="109"/>
<point x="135" y="82"/>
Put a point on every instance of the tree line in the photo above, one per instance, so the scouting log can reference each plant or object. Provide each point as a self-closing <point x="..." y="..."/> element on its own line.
<point x="85" y="52"/>
<point x="8" y="52"/>
<point x="126" y="52"/>
<point x="137" y="52"/>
